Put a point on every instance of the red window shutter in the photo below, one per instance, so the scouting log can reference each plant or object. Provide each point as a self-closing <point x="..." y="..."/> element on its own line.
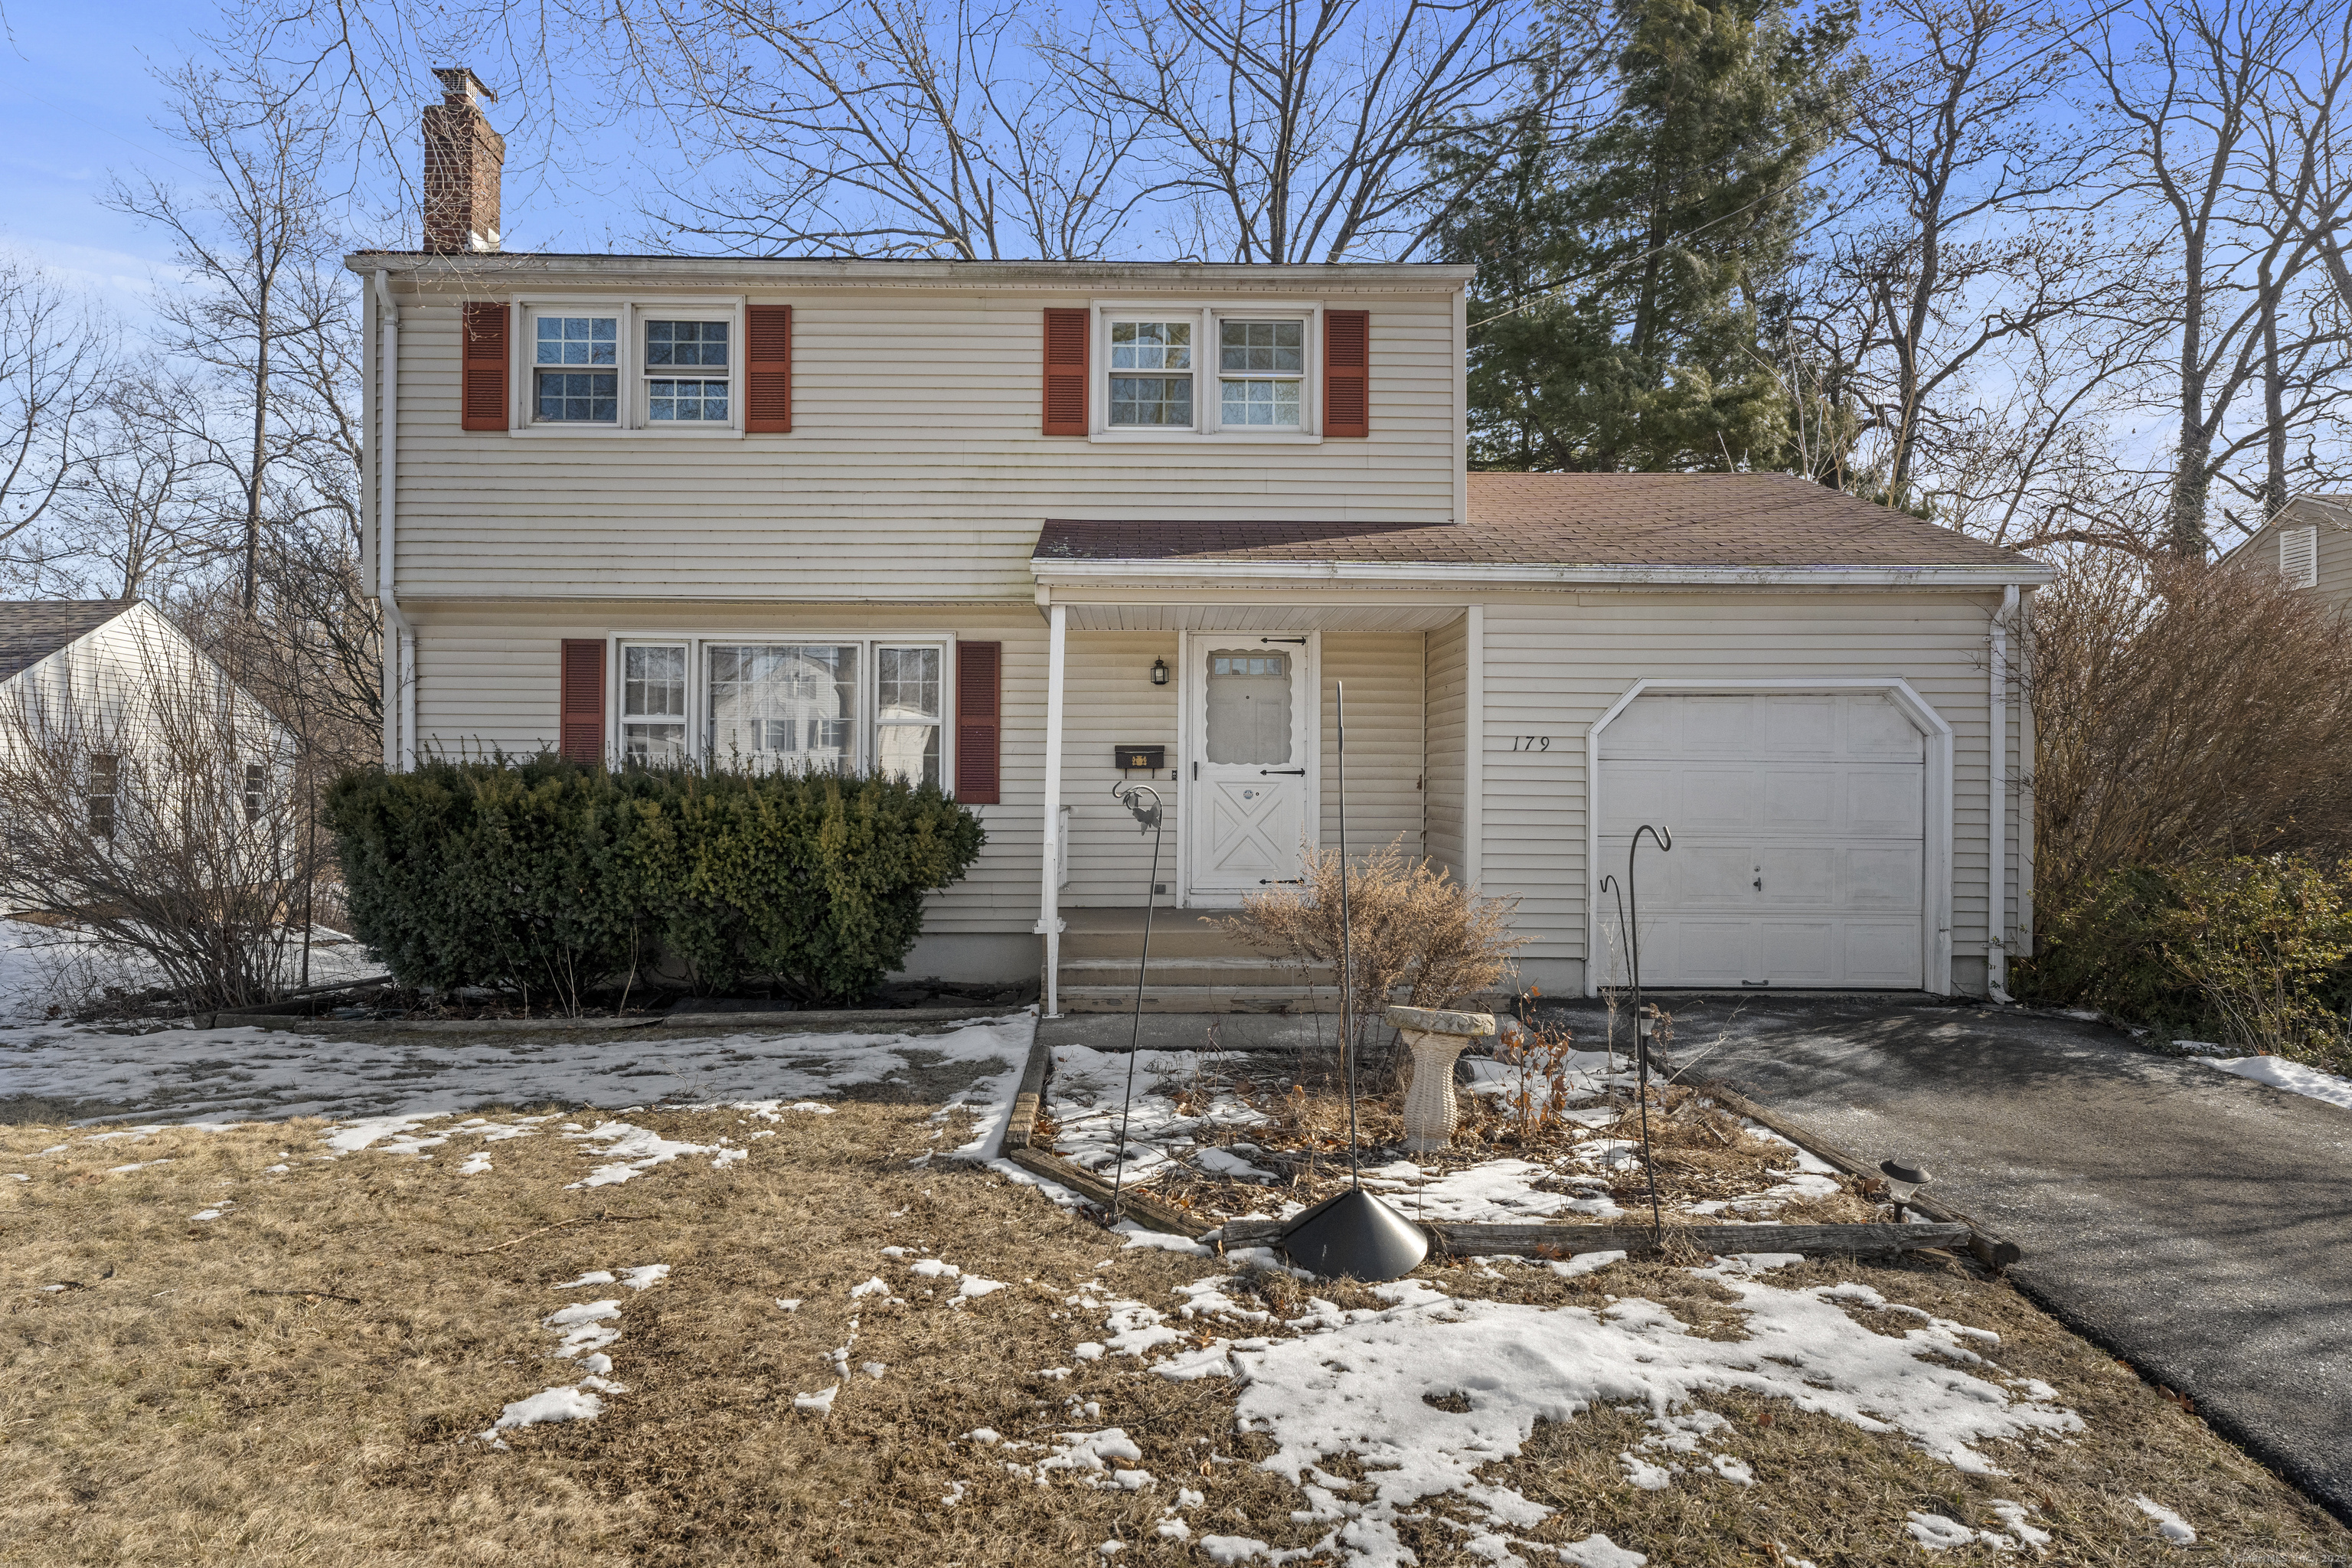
<point x="581" y="716"/>
<point x="482" y="403"/>
<point x="768" y="370"/>
<point x="1066" y="332"/>
<point x="980" y="704"/>
<point x="1346" y="372"/>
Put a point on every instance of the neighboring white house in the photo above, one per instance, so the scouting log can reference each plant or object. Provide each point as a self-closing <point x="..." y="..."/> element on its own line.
<point x="111" y="690"/>
<point x="1012" y="526"/>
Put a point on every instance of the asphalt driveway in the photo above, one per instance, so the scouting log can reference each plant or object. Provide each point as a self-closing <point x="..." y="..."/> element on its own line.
<point x="2197" y="1224"/>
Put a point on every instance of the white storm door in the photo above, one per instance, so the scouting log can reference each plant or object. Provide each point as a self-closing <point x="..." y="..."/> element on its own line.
<point x="1799" y="829"/>
<point x="1252" y="747"/>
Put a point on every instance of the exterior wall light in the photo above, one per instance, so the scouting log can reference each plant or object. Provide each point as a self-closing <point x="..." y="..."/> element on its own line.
<point x="1902" y="1183"/>
<point x="1159" y="672"/>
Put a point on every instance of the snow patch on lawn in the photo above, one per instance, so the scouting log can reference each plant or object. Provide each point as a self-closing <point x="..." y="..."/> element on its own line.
<point x="583" y="1330"/>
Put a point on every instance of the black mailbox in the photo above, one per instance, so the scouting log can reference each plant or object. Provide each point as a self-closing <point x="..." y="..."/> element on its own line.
<point x="1132" y="757"/>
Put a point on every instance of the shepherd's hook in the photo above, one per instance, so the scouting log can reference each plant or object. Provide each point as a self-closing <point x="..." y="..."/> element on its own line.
<point x="1149" y="819"/>
<point x="1665" y="839"/>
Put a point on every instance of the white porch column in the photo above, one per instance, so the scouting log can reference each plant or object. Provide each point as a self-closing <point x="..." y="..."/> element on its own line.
<point x="1997" y="816"/>
<point x="1049" y="899"/>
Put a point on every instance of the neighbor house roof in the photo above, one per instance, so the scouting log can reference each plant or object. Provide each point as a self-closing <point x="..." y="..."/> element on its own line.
<point x="1665" y="522"/>
<point x="32" y="629"/>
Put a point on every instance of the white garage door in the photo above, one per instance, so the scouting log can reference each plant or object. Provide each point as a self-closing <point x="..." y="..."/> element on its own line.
<point x="1799" y="823"/>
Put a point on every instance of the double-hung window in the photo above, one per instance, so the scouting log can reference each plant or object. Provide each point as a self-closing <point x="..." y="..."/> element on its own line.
<point x="1261" y="367"/>
<point x="1152" y="373"/>
<point x="686" y="369"/>
<point x="800" y="706"/>
<point x="105" y="782"/>
<point x="575" y="369"/>
<point x="652" y="702"/>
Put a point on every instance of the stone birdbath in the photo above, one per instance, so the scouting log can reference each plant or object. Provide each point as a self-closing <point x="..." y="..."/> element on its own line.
<point x="1437" y="1038"/>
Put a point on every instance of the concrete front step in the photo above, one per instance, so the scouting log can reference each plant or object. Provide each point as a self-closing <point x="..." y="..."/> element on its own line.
<point x="1199" y="999"/>
<point x="1176" y="938"/>
<point x="1166" y="970"/>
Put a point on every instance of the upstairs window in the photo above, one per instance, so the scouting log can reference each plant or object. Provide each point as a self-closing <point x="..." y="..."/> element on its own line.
<point x="569" y="387"/>
<point x="1260" y="368"/>
<point x="1163" y="395"/>
<point x="686" y="372"/>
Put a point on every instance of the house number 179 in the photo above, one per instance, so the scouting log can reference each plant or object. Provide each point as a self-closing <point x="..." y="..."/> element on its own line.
<point x="1531" y="743"/>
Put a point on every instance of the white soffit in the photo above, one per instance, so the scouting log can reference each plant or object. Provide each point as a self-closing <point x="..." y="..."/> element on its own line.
<point x="1260" y="617"/>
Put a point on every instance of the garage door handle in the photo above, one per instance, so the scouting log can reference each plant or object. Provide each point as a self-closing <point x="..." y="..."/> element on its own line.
<point x="1759" y="878"/>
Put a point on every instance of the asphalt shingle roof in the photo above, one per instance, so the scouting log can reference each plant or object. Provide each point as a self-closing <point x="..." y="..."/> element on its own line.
<point x="1662" y="520"/>
<point x="32" y="629"/>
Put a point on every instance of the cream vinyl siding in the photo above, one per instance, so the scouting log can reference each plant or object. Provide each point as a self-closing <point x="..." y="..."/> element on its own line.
<point x="1554" y="666"/>
<point x="915" y="464"/>
<point x="1445" y="746"/>
<point x="1111" y="701"/>
<point x="489" y="682"/>
<point x="1384" y="677"/>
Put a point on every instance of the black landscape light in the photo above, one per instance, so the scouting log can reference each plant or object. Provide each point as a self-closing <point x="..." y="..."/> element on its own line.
<point x="1353" y="1233"/>
<point x="1903" y="1183"/>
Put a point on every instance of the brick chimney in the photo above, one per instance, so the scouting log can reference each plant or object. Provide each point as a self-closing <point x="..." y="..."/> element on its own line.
<point x="463" y="160"/>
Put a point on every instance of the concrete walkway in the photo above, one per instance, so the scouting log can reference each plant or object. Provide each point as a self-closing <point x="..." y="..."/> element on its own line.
<point x="2196" y="1224"/>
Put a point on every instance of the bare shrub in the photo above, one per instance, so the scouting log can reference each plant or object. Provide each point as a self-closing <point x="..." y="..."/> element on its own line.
<point x="2184" y="711"/>
<point x="1411" y="924"/>
<point x="155" y="806"/>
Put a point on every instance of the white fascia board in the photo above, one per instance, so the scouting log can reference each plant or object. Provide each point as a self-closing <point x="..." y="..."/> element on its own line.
<point x="1209" y="278"/>
<point x="1055" y="573"/>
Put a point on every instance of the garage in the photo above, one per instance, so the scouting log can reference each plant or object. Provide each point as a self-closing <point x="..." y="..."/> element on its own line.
<point x="1800" y="848"/>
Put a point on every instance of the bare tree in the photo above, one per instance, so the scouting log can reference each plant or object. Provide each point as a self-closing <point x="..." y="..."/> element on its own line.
<point x="145" y="501"/>
<point x="54" y="354"/>
<point x="1971" y="237"/>
<point x="258" y="225"/>
<point x="2187" y="82"/>
<point x="1304" y="130"/>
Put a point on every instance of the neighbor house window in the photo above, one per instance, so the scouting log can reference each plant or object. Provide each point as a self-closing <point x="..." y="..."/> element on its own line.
<point x="575" y="364"/>
<point x="907" y="713"/>
<point x="256" y="778"/>
<point x="686" y="372"/>
<point x="652" y="702"/>
<point x="1261" y="366"/>
<point x="1152" y="373"/>
<point x="785" y="705"/>
<point x="105" y="777"/>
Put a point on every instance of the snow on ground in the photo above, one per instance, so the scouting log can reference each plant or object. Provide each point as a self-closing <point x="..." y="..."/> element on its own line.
<point x="584" y="1331"/>
<point x="1183" y="1114"/>
<point x="389" y="1087"/>
<point x="43" y="965"/>
<point x="1360" y="1383"/>
<point x="2292" y="1076"/>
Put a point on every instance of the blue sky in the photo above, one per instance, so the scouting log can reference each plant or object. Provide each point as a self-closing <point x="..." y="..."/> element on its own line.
<point x="73" y="109"/>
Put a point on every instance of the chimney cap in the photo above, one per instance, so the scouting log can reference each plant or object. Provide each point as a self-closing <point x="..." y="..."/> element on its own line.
<point x="459" y="85"/>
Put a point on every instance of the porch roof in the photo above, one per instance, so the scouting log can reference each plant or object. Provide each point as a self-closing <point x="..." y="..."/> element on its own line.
<point x="1655" y="526"/>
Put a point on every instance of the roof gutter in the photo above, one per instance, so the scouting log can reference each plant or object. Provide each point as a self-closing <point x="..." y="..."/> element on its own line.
<point x="400" y="641"/>
<point x="1054" y="571"/>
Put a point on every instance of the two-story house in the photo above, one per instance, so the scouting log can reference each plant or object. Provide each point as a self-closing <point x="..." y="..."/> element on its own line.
<point x="1034" y="529"/>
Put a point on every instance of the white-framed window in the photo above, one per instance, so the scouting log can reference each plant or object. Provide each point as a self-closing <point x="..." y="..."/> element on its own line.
<point x="256" y="791"/>
<point x="1152" y="373"/>
<point x="1261" y="373"/>
<point x="600" y="366"/>
<point x="805" y="704"/>
<point x="688" y="362"/>
<point x="575" y="368"/>
<point x="105" y="783"/>
<point x="652" y="702"/>
<point x="1242" y="371"/>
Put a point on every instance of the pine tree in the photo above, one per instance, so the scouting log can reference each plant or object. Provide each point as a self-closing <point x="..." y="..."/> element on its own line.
<point x="1623" y="274"/>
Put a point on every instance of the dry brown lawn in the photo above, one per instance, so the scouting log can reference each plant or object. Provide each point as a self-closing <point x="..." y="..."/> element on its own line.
<point x="204" y="1393"/>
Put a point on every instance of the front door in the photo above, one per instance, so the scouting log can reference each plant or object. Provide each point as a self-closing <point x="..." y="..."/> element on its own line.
<point x="1252" y="763"/>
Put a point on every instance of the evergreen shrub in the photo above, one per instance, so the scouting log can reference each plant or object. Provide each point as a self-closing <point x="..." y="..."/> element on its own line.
<point x="540" y="873"/>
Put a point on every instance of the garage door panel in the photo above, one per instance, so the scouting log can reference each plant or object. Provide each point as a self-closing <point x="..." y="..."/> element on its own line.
<point x="1796" y="800"/>
<point x="1883" y="802"/>
<point x="1820" y="798"/>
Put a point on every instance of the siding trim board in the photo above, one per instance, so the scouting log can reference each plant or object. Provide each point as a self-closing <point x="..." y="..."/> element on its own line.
<point x="1936" y="919"/>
